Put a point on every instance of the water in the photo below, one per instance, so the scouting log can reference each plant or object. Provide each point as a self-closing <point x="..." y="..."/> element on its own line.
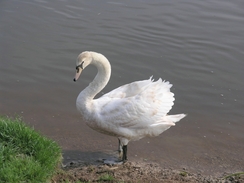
<point x="196" y="45"/>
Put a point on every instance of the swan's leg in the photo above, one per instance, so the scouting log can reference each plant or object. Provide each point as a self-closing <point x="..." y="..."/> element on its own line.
<point x="120" y="149"/>
<point x="124" y="158"/>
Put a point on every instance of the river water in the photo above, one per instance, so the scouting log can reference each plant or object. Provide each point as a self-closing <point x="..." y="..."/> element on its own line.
<point x="196" y="45"/>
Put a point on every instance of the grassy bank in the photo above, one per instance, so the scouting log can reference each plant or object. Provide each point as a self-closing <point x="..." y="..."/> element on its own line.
<point x="25" y="155"/>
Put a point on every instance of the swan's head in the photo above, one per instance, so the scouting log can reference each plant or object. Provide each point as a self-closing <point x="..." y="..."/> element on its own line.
<point x="83" y="60"/>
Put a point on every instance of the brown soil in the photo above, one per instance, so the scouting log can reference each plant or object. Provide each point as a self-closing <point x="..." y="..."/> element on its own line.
<point x="135" y="172"/>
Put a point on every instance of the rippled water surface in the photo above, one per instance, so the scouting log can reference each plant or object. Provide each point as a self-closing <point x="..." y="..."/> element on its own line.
<point x="196" y="45"/>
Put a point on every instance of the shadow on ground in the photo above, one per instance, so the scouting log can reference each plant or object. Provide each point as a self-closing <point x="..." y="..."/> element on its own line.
<point x="92" y="158"/>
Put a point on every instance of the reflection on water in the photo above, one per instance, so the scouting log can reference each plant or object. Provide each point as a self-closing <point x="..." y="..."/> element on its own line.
<point x="196" y="45"/>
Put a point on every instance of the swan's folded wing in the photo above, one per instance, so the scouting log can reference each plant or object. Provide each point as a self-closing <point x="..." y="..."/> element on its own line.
<point x="129" y="90"/>
<point x="118" y="113"/>
<point x="139" y="111"/>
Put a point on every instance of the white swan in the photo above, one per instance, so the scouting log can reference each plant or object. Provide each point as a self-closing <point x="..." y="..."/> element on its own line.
<point x="130" y="112"/>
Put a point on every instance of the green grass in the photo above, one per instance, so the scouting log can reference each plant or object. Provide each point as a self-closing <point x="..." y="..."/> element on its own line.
<point x="234" y="175"/>
<point x="106" y="177"/>
<point x="183" y="173"/>
<point x="25" y="155"/>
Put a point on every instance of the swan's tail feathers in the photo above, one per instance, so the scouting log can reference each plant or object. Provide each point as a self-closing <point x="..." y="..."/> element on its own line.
<point x="177" y="117"/>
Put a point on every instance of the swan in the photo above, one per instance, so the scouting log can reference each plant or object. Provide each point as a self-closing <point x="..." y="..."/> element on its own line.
<point x="129" y="112"/>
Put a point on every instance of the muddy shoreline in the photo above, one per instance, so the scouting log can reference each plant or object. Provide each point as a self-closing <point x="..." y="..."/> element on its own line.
<point x="137" y="172"/>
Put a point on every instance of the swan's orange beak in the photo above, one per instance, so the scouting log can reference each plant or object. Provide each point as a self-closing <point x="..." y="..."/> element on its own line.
<point x="77" y="74"/>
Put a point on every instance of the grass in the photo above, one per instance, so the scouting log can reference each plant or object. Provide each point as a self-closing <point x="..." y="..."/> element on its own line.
<point x="67" y="181"/>
<point x="183" y="173"/>
<point x="106" y="177"/>
<point x="25" y="155"/>
<point x="234" y="175"/>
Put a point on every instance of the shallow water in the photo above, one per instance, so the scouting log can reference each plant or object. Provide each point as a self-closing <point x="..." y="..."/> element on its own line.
<point x="196" y="45"/>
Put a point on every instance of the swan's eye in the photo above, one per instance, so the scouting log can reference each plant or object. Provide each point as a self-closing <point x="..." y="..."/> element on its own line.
<point x="79" y="66"/>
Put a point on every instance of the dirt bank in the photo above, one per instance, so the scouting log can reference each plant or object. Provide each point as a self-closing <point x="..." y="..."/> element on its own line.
<point x="136" y="172"/>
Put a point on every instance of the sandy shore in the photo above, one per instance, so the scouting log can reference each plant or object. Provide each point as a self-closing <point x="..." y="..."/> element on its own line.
<point x="136" y="172"/>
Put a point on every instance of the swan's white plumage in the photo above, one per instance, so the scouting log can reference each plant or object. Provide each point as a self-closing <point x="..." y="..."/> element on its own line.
<point x="129" y="112"/>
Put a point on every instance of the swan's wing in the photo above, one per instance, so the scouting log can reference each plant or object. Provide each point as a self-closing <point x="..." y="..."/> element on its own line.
<point x="129" y="90"/>
<point x="144" y="109"/>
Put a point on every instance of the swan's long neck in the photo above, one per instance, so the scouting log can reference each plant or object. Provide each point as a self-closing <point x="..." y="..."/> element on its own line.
<point x="86" y="96"/>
